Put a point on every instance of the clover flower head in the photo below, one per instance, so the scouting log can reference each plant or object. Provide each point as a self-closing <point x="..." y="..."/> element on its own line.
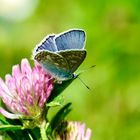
<point x="73" y="131"/>
<point x="26" y="91"/>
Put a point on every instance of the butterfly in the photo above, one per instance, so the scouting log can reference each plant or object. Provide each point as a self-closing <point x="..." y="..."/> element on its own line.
<point x="61" y="54"/>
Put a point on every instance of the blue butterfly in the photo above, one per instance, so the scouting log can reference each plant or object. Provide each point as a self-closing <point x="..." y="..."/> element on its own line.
<point x="61" y="54"/>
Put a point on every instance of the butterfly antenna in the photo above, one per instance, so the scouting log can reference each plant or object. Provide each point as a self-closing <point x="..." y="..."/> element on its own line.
<point x="85" y="70"/>
<point x="83" y="82"/>
<point x="81" y="73"/>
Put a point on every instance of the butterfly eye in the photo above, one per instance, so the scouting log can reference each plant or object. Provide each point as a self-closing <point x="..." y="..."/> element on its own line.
<point x="74" y="75"/>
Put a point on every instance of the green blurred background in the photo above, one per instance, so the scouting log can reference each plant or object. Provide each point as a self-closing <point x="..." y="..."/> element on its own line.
<point x="112" y="107"/>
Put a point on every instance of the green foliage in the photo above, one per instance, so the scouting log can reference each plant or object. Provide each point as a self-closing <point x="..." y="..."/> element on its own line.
<point x="10" y="127"/>
<point x="58" y="89"/>
<point x="60" y="116"/>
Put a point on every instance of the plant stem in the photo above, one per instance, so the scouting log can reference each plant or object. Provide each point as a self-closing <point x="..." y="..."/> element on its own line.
<point x="43" y="131"/>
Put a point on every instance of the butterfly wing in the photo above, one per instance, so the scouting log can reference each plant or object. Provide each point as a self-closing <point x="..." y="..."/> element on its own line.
<point x="73" y="39"/>
<point x="54" y="64"/>
<point x="48" y="43"/>
<point x="61" y="54"/>
<point x="74" y="58"/>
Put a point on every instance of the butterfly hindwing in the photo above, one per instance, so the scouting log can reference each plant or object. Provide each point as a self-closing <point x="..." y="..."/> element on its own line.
<point x="74" y="58"/>
<point x="53" y="63"/>
<point x="73" y="39"/>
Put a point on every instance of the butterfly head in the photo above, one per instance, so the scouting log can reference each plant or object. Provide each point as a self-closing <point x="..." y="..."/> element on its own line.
<point x="64" y="77"/>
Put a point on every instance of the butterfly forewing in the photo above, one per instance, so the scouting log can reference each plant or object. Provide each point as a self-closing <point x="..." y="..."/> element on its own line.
<point x="74" y="58"/>
<point x="48" y="43"/>
<point x="73" y="39"/>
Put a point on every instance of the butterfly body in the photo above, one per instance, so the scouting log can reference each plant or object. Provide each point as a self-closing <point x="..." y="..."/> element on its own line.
<point x="61" y="54"/>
